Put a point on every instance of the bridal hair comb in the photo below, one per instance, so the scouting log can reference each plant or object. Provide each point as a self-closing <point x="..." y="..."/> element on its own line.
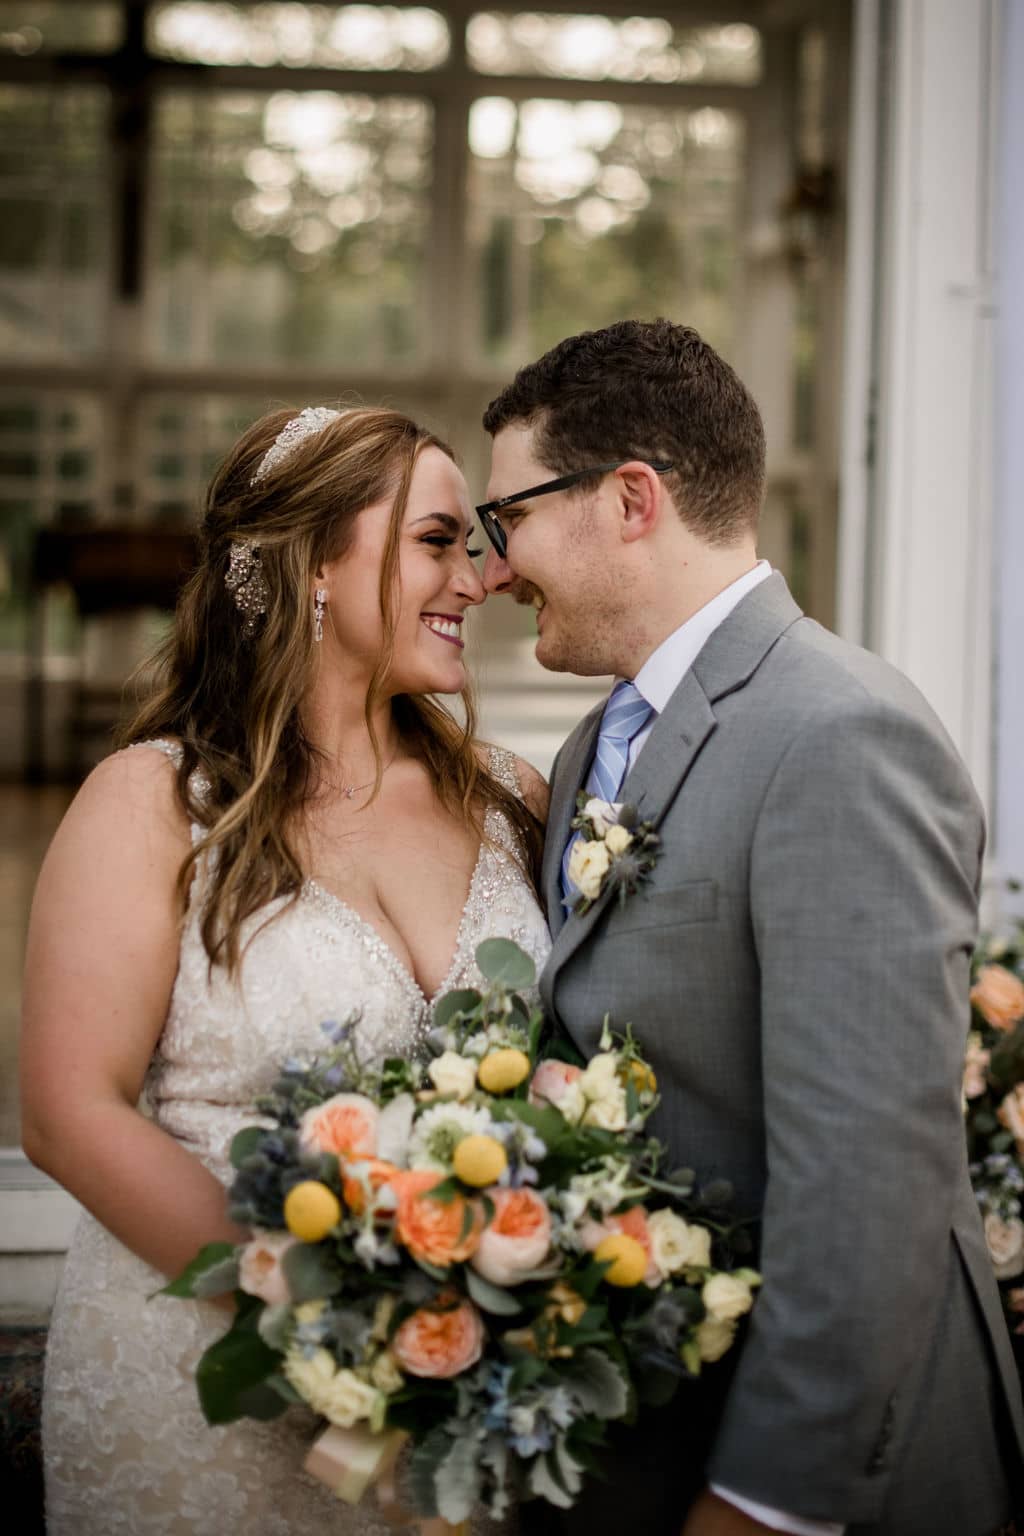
<point x="246" y="583"/>
<point x="306" y="424"/>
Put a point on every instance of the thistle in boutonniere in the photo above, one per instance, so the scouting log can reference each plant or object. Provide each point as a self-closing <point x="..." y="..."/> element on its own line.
<point x="615" y="849"/>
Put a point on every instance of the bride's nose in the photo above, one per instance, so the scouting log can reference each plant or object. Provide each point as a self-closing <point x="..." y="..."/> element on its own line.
<point x="467" y="581"/>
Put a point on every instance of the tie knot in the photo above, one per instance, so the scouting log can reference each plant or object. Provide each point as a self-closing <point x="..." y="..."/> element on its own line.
<point x="626" y="712"/>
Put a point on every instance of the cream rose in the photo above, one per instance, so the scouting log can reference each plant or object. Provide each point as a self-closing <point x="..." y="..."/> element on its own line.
<point x="727" y="1297"/>
<point x="588" y="865"/>
<point x="1011" y="1114"/>
<point x="453" y="1074"/>
<point x="714" y="1338"/>
<point x="676" y="1245"/>
<point x="1005" y="1241"/>
<point x="384" y="1373"/>
<point x="604" y="1093"/>
<point x="998" y="996"/>
<point x="976" y="1062"/>
<point x="339" y="1395"/>
<point x="617" y="840"/>
<point x="259" y="1267"/>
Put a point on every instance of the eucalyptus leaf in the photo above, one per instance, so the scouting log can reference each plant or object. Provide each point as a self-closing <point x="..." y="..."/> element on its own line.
<point x="217" y="1280"/>
<point x="211" y="1257"/>
<point x="505" y="964"/>
<point x="489" y="1297"/>
<point x="245" y="1142"/>
<point x="597" y="1384"/>
<point x="273" y="1325"/>
<point x="311" y="1272"/>
<point x="447" y="1007"/>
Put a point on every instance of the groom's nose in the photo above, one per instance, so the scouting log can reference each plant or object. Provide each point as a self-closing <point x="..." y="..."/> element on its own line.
<point x="498" y="575"/>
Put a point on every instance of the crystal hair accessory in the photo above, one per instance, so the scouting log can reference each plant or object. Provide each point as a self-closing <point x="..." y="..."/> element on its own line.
<point x="246" y="582"/>
<point x="306" y="424"/>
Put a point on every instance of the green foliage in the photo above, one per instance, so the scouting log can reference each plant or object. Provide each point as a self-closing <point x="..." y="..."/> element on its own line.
<point x="229" y="1371"/>
<point x="213" y="1272"/>
<point x="505" y="964"/>
<point x="311" y="1270"/>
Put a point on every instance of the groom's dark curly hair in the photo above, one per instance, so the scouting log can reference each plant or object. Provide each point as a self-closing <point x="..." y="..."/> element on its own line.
<point x="647" y="389"/>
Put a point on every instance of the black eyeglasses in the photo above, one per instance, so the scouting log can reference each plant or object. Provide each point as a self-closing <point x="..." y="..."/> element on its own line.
<point x="492" y="525"/>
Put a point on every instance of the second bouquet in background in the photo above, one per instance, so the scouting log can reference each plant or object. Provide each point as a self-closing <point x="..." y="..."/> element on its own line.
<point x="481" y="1253"/>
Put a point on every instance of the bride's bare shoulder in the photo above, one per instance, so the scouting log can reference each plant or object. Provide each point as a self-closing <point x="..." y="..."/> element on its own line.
<point x="130" y="799"/>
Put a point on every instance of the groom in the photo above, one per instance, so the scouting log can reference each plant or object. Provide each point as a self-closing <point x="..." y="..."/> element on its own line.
<point x="796" y="967"/>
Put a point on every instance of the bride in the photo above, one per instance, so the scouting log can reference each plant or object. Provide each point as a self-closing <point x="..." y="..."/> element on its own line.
<point x="297" y="830"/>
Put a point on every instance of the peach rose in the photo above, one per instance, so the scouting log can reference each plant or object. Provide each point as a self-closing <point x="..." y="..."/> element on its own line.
<point x="551" y="1081"/>
<point x="634" y="1224"/>
<point x="345" y="1125"/>
<point x="374" y="1171"/>
<point x="259" y="1267"/>
<point x="1005" y="1241"/>
<point x="433" y="1229"/>
<point x="1011" y="1114"/>
<point x="440" y="1341"/>
<point x="998" y="996"/>
<point x="517" y="1238"/>
<point x="976" y="1060"/>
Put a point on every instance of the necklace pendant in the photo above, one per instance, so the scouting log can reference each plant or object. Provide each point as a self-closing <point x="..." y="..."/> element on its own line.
<point x="349" y="791"/>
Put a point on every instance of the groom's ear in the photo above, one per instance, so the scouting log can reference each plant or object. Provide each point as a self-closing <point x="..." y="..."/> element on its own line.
<point x="638" y="490"/>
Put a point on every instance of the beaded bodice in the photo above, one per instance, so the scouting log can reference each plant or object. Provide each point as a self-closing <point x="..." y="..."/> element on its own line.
<point x="305" y="961"/>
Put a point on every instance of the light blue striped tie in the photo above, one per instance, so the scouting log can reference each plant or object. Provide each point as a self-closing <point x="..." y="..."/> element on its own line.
<point x="625" y="715"/>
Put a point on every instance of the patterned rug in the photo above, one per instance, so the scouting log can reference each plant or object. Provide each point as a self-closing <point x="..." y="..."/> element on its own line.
<point x="21" y="1466"/>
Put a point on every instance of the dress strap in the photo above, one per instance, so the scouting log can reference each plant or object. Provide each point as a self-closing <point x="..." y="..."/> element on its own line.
<point x="502" y="765"/>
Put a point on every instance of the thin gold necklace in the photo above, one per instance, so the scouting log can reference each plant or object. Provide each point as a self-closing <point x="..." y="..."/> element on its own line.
<point x="348" y="790"/>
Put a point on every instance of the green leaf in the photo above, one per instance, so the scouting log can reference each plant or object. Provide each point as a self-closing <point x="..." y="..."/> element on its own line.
<point x="213" y="1258"/>
<point x="445" y="1009"/>
<point x="261" y="1402"/>
<point x="548" y="1480"/>
<point x="505" y="964"/>
<point x="310" y="1270"/>
<point x="245" y="1142"/>
<point x="425" y="1458"/>
<point x="458" y="1481"/>
<point x="597" y="1384"/>
<point x="489" y="1297"/>
<point x="231" y="1366"/>
<point x="273" y="1325"/>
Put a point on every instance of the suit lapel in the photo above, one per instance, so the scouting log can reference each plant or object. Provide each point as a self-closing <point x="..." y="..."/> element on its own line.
<point x="731" y="656"/>
<point x="573" y="762"/>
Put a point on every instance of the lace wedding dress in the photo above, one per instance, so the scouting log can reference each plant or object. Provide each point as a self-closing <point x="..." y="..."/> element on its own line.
<point x="126" y="1447"/>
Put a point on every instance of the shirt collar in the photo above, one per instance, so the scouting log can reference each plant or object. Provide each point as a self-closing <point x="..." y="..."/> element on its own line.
<point x="665" y="668"/>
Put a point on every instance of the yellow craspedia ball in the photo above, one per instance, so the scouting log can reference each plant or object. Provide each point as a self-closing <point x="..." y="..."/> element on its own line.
<point x="311" y="1210"/>
<point x="501" y="1071"/>
<point x="479" y="1160"/>
<point x="625" y="1255"/>
<point x="644" y="1080"/>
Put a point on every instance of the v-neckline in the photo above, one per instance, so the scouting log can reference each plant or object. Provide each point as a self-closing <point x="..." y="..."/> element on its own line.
<point x="329" y="899"/>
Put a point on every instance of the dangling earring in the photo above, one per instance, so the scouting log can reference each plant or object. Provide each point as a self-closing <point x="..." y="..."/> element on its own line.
<point x="319" y="604"/>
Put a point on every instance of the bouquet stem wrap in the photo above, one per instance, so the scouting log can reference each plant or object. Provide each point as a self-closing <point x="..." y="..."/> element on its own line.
<point x="349" y="1461"/>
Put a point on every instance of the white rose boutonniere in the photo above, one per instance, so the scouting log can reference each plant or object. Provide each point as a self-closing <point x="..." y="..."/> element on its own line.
<point x="615" y="849"/>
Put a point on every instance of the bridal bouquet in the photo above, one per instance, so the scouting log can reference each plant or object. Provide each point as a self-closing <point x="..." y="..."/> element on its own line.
<point x="994" y="1108"/>
<point x="479" y="1255"/>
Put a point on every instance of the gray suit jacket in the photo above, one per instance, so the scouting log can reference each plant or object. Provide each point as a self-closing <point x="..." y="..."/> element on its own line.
<point x="797" y="970"/>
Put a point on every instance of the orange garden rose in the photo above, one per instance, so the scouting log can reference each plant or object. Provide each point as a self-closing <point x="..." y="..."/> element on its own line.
<point x="517" y="1238"/>
<point x="1011" y="1114"/>
<point x="433" y="1229"/>
<point x="378" y="1172"/>
<point x="998" y="996"/>
<point x="440" y="1341"/>
<point x="345" y="1125"/>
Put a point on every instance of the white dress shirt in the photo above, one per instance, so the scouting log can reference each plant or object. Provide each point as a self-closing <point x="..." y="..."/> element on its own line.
<point x="657" y="680"/>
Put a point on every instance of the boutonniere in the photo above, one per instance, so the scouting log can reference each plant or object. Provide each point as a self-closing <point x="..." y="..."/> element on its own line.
<point x="616" y="849"/>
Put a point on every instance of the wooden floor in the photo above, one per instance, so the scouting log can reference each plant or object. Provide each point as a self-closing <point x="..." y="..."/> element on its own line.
<point x="28" y="820"/>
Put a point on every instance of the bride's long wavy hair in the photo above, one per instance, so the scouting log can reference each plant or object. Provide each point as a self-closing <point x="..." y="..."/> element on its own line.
<point x="232" y="699"/>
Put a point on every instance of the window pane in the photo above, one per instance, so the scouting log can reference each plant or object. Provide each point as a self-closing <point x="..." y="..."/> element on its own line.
<point x="51" y="471"/>
<point x="182" y="439"/>
<point x="49" y="26"/>
<point x="290" y="227"/>
<point x="54" y="220"/>
<point x="583" y="212"/>
<point x="342" y="36"/>
<point x="606" y="48"/>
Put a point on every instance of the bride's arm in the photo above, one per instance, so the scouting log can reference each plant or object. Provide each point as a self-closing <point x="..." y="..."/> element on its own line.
<point x="101" y="961"/>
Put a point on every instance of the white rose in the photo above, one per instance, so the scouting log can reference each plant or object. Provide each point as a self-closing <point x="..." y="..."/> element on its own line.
<point x="384" y="1373"/>
<point x="607" y="1114"/>
<point x="588" y="865"/>
<point x="572" y="1103"/>
<point x="453" y="1074"/>
<point x="727" y="1297"/>
<point x="259" y="1267"/>
<point x="347" y="1400"/>
<point x="617" y="840"/>
<point x="599" y="1074"/>
<point x="602" y="814"/>
<point x="1005" y="1241"/>
<point x="714" y="1338"/>
<point x="310" y="1375"/>
<point x="676" y="1245"/>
